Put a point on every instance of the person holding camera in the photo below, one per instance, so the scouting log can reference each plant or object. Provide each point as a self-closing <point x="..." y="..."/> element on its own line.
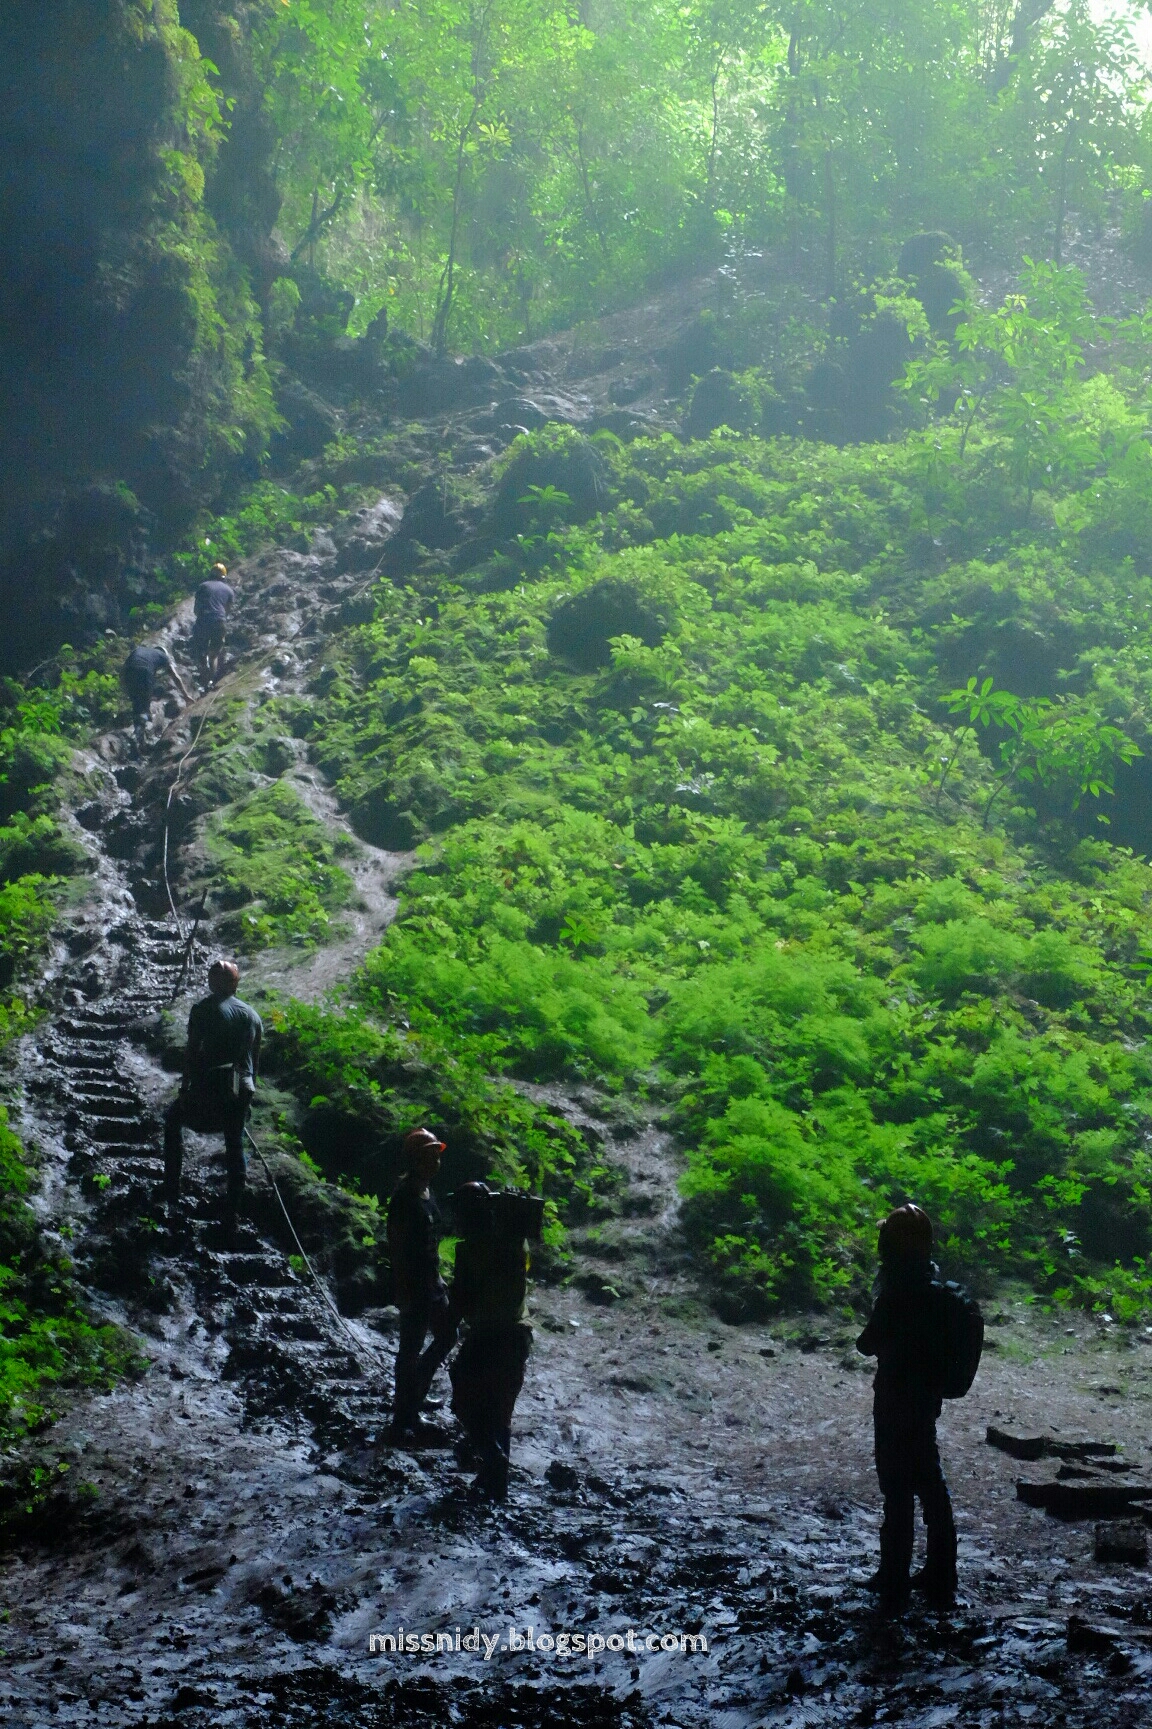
<point x="488" y="1293"/>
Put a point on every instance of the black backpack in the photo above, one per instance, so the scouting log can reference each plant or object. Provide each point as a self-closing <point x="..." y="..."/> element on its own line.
<point x="965" y="1340"/>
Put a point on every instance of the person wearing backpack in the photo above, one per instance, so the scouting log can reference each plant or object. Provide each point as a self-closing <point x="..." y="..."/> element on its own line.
<point x="926" y="1337"/>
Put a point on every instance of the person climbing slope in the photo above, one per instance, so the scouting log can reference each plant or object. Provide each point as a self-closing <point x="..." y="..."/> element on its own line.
<point x="926" y="1337"/>
<point x="414" y="1232"/>
<point x="214" y="598"/>
<point x="216" y="1092"/>
<point x="146" y="663"/>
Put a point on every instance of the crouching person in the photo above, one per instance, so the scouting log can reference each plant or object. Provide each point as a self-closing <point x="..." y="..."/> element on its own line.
<point x="218" y="1086"/>
<point x="926" y="1337"/>
<point x="489" y="1288"/>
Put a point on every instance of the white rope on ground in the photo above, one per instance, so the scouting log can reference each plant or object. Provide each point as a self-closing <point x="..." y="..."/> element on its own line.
<point x="360" y="1344"/>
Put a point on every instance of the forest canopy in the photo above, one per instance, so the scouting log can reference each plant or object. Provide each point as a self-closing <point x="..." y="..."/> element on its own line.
<point x="491" y="168"/>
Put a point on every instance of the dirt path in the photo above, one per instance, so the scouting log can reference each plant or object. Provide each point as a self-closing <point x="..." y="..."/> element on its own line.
<point x="249" y="1535"/>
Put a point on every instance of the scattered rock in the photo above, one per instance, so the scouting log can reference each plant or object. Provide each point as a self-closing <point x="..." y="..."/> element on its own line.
<point x="304" y="1613"/>
<point x="366" y="533"/>
<point x="1032" y="1447"/>
<point x="311" y="422"/>
<point x="561" y="1476"/>
<point x="1091" y="1640"/>
<point x="1083" y="1500"/>
<point x="443" y="386"/>
<point x="1126" y="1542"/>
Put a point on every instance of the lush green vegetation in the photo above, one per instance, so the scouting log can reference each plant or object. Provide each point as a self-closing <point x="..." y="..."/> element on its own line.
<point x="763" y="776"/>
<point x="265" y="207"/>
<point x="275" y="866"/>
<point x="775" y="792"/>
<point x="489" y="167"/>
<point x="46" y="1340"/>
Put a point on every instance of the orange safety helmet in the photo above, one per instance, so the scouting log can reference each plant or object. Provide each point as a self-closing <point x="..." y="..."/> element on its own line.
<point x="906" y="1232"/>
<point x="223" y="973"/>
<point x="220" y="570"/>
<point x="418" y="1141"/>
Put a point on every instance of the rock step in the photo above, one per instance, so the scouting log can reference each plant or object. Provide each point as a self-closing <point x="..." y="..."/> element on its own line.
<point x="249" y="1270"/>
<point x="357" y="1393"/>
<point x="138" y="1167"/>
<point x="123" y="1150"/>
<point x="328" y="1364"/>
<point x="292" y="1327"/>
<point x="118" y="1129"/>
<point x="113" y="1103"/>
<point x="97" y="1061"/>
<point x="272" y="1299"/>
<point x="88" y="1032"/>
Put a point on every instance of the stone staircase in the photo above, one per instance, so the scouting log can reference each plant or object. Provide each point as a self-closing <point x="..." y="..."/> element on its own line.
<point x="288" y="1354"/>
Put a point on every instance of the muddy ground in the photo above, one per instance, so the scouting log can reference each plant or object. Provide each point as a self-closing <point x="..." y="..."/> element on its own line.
<point x="232" y="1531"/>
<point x="671" y="1475"/>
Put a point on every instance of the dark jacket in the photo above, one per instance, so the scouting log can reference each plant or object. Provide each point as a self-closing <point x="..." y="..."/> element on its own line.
<point x="909" y="1334"/>
<point x="414" y="1232"/>
<point x="490" y="1282"/>
<point x="224" y="1036"/>
<point x="213" y="598"/>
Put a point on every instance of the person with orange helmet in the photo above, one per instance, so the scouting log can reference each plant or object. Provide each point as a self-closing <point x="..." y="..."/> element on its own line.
<point x="213" y="600"/>
<point x="911" y="1333"/>
<point x="414" y="1232"/>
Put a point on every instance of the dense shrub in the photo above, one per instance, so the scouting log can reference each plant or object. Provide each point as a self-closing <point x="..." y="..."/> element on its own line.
<point x="743" y="858"/>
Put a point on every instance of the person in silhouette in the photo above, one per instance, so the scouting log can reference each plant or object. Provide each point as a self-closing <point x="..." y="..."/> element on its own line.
<point x="219" y="1081"/>
<point x="910" y="1334"/>
<point x="489" y="1287"/>
<point x="414" y="1232"/>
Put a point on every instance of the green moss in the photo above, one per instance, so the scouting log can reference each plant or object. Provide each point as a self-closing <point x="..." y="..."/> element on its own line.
<point x="713" y="862"/>
<point x="46" y="1341"/>
<point x="274" y="869"/>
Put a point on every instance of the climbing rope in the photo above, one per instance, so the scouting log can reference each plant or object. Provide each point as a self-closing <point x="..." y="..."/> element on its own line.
<point x="172" y="790"/>
<point x="316" y="1279"/>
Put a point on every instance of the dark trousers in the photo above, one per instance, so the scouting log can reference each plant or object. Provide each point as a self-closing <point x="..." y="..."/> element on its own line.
<point x="141" y="689"/>
<point x="207" y="1113"/>
<point x="487" y="1376"/>
<point x="416" y="1365"/>
<point x="908" y="1466"/>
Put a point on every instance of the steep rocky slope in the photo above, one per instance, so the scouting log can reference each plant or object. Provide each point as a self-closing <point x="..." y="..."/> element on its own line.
<point x="232" y="1534"/>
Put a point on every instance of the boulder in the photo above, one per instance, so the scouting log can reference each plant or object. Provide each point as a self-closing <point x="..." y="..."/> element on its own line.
<point x="362" y="537"/>
<point x="432" y="519"/>
<point x="311" y="422"/>
<point x="582" y="626"/>
<point x="446" y="386"/>
<point x="1031" y="1447"/>
<point x="1124" y="1541"/>
<point x="719" y="399"/>
<point x="560" y="462"/>
<point x="1084" y="1500"/>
